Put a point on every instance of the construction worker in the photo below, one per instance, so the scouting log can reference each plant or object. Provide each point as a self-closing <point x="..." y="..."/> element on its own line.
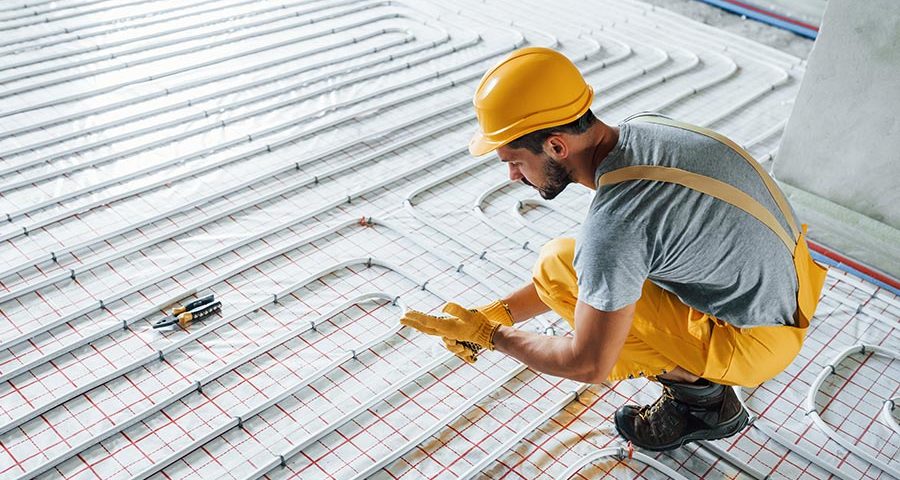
<point x="689" y="268"/>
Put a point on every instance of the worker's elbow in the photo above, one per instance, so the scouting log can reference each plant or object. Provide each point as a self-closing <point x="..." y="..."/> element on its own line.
<point x="596" y="375"/>
<point x="589" y="376"/>
<point x="589" y="370"/>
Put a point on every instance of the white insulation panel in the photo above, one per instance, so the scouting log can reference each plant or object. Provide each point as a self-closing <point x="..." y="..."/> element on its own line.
<point x="306" y="162"/>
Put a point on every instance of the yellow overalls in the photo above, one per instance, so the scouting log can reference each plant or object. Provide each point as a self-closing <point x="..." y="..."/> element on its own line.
<point x="665" y="332"/>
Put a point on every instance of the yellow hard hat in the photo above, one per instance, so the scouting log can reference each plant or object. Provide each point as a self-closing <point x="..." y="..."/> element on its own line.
<point x="531" y="89"/>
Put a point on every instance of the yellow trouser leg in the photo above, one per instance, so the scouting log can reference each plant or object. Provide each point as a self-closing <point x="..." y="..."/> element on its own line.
<point x="556" y="284"/>
<point x="666" y="333"/>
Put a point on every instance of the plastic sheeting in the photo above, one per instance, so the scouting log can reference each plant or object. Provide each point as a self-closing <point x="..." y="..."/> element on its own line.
<point x="305" y="161"/>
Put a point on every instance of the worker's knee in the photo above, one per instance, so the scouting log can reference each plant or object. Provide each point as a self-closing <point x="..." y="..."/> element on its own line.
<point x="554" y="277"/>
<point x="556" y="258"/>
<point x="751" y="372"/>
<point x="554" y="267"/>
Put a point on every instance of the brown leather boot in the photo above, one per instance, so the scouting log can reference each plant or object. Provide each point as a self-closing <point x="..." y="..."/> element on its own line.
<point x="685" y="412"/>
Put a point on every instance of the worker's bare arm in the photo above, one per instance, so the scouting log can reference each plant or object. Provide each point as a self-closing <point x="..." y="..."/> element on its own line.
<point x="587" y="356"/>
<point x="524" y="303"/>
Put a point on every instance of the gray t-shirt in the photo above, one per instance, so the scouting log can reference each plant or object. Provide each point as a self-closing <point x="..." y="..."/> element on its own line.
<point x="715" y="257"/>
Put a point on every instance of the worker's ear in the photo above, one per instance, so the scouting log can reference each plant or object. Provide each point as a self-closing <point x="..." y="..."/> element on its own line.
<point x="556" y="147"/>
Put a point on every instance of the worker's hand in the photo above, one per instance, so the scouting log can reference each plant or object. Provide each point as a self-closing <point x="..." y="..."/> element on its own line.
<point x="463" y="325"/>
<point x="467" y="352"/>
<point x="496" y="311"/>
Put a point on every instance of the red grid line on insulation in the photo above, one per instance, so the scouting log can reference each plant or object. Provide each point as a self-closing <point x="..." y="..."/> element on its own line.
<point x="220" y="390"/>
<point x="219" y="358"/>
<point x="233" y="291"/>
<point x="467" y="438"/>
<point x="432" y="448"/>
<point x="402" y="408"/>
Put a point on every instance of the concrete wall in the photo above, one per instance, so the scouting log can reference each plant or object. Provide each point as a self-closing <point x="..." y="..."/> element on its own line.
<point x="842" y="141"/>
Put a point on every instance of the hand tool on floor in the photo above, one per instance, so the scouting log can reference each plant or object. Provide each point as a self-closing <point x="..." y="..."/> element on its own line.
<point x="184" y="315"/>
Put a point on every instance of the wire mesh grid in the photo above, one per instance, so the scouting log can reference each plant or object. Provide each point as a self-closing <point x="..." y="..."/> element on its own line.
<point x="161" y="150"/>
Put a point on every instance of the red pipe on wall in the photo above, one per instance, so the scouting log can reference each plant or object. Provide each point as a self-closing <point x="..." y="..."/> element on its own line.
<point x="837" y="257"/>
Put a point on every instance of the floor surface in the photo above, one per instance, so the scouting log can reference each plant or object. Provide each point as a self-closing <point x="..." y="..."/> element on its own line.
<point x="306" y="162"/>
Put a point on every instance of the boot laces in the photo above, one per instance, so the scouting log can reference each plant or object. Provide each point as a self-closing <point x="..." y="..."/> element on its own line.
<point x="647" y="413"/>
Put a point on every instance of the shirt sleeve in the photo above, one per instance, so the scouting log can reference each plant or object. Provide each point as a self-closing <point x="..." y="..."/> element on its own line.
<point x="612" y="261"/>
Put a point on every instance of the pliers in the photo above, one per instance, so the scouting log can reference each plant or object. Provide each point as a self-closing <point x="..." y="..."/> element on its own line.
<point x="184" y="315"/>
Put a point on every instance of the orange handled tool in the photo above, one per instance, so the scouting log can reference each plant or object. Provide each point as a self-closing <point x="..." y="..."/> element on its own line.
<point x="184" y="315"/>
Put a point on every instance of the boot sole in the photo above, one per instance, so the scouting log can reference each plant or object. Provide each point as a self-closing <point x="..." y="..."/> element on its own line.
<point x="732" y="427"/>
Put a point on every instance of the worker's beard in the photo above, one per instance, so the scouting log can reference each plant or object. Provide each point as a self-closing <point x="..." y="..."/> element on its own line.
<point x="557" y="178"/>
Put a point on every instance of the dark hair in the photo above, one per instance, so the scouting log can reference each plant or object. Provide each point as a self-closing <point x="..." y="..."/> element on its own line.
<point x="534" y="141"/>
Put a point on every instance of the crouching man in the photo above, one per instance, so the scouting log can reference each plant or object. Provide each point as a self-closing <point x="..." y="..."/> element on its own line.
<point x="689" y="268"/>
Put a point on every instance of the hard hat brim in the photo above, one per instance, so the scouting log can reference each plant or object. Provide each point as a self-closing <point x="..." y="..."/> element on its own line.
<point x="479" y="145"/>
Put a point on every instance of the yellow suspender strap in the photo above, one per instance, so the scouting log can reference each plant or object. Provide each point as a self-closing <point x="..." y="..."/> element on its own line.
<point x="770" y="183"/>
<point x="701" y="183"/>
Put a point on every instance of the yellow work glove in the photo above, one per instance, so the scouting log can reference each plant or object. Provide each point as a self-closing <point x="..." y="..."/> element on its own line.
<point x="467" y="352"/>
<point x="495" y="311"/>
<point x="463" y="325"/>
